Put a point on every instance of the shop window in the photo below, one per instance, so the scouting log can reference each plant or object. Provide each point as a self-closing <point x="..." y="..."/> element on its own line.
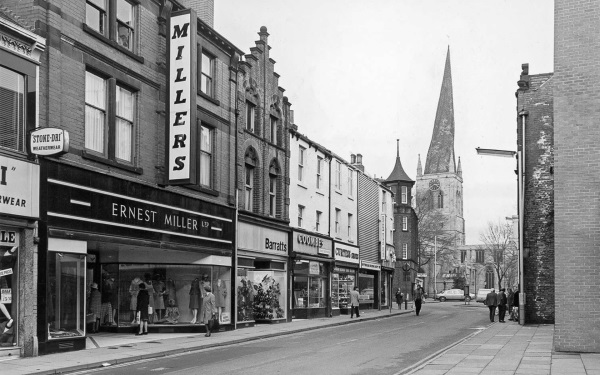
<point x="8" y="285"/>
<point x="66" y="295"/>
<point x="261" y="292"/>
<point x="176" y="293"/>
<point x="309" y="284"/>
<point x="109" y="119"/>
<point x="113" y="19"/>
<point x="384" y="289"/>
<point x="207" y="72"/>
<point x="342" y="283"/>
<point x="366" y="288"/>
<point x="12" y="109"/>
<point x="206" y="155"/>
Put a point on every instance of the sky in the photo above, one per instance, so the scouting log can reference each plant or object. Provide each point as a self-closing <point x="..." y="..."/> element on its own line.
<point x="361" y="74"/>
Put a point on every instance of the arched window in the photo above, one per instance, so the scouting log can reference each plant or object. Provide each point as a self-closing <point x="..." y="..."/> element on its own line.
<point x="250" y="164"/>
<point x="274" y="187"/>
<point x="440" y="200"/>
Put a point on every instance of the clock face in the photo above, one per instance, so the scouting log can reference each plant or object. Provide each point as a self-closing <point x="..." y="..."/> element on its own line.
<point x="434" y="185"/>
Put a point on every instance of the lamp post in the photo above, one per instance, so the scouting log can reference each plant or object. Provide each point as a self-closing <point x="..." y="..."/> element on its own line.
<point x="521" y="210"/>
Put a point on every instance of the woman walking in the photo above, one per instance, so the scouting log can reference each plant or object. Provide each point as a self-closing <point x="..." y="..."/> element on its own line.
<point x="143" y="301"/>
<point x="209" y="309"/>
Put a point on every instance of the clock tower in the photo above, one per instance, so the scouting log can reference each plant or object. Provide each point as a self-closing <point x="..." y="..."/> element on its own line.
<point x="439" y="186"/>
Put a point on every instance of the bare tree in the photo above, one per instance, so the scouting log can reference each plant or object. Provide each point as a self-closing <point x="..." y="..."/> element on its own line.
<point x="501" y="252"/>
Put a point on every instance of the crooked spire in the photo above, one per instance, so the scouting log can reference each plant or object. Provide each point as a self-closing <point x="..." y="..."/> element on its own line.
<point x="440" y="157"/>
<point x="398" y="173"/>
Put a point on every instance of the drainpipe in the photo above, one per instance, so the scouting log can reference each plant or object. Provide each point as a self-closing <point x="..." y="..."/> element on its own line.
<point x="521" y="181"/>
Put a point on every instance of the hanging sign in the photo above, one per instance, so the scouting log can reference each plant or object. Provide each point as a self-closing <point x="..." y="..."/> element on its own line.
<point x="5" y="295"/>
<point x="48" y="141"/>
<point x="181" y="126"/>
<point x="6" y="272"/>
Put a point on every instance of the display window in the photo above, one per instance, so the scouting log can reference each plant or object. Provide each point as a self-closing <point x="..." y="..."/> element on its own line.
<point x="261" y="294"/>
<point x="309" y="285"/>
<point x="341" y="284"/>
<point x="176" y="293"/>
<point x="8" y="277"/>
<point x="384" y="289"/>
<point x="366" y="288"/>
<point x="65" y="302"/>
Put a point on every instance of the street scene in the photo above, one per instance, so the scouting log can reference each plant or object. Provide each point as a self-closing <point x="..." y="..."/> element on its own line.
<point x="398" y="187"/>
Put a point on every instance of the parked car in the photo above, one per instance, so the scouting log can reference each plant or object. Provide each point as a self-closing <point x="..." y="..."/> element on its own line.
<point x="481" y="294"/>
<point x="454" y="295"/>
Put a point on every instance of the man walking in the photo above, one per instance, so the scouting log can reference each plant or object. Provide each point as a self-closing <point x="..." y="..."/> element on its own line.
<point x="354" y="303"/>
<point x="399" y="298"/>
<point x="491" y="302"/>
<point x="515" y="310"/>
<point x="502" y="300"/>
<point x="418" y="299"/>
<point x="510" y="298"/>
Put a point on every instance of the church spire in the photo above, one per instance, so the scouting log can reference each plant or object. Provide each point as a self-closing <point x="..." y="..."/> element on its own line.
<point x="419" y="167"/>
<point x="398" y="173"/>
<point x="459" y="168"/>
<point x="440" y="157"/>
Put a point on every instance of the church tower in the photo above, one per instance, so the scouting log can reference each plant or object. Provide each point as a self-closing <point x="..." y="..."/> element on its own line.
<point x="439" y="186"/>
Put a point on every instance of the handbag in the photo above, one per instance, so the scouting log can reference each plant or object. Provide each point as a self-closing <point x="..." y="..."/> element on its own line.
<point x="149" y="310"/>
<point x="213" y="323"/>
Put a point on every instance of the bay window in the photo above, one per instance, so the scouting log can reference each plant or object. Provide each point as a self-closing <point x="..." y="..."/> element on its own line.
<point x="12" y="109"/>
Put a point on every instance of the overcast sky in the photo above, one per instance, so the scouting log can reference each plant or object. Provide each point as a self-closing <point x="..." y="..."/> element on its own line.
<point x="361" y="74"/>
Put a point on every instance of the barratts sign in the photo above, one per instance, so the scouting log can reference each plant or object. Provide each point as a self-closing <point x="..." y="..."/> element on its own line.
<point x="181" y="101"/>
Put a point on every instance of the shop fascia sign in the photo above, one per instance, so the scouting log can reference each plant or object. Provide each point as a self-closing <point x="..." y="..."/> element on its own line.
<point x="8" y="238"/>
<point x="345" y="253"/>
<point x="310" y="244"/>
<point x="421" y="274"/>
<point x="370" y="266"/>
<point x="181" y="129"/>
<point x="48" y="141"/>
<point x="19" y="187"/>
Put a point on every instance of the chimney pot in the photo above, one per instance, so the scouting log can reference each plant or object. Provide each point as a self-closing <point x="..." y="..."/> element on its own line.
<point x="352" y="158"/>
<point x="358" y="158"/>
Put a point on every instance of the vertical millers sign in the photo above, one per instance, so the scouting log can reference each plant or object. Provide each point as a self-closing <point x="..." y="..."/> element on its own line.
<point x="181" y="102"/>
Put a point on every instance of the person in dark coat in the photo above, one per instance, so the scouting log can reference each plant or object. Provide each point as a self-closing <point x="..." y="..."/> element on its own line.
<point x="491" y="301"/>
<point x="419" y="295"/>
<point x="502" y="300"/>
<point x="399" y="298"/>
<point x="510" y="297"/>
<point x="143" y="301"/>
<point x="515" y="311"/>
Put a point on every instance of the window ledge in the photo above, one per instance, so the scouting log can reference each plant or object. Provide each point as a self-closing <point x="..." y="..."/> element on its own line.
<point x="112" y="163"/>
<point x="351" y="198"/>
<point x="203" y="189"/>
<point x="112" y="43"/>
<point x="302" y="186"/>
<point x="318" y="192"/>
<point x="338" y="191"/>
<point x="209" y="98"/>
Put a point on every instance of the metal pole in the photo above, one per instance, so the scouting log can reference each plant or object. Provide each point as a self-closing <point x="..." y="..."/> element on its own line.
<point x="521" y="219"/>
<point x="435" y="267"/>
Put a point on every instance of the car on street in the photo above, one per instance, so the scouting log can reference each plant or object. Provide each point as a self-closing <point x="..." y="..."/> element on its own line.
<point x="481" y="294"/>
<point x="454" y="295"/>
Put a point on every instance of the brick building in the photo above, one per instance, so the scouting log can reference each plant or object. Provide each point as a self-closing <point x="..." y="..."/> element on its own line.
<point x="406" y="227"/>
<point x="262" y="163"/>
<point x="535" y="129"/>
<point x="132" y="201"/>
<point x="576" y="160"/>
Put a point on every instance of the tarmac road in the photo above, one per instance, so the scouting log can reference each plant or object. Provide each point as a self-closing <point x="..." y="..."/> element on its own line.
<point x="383" y="346"/>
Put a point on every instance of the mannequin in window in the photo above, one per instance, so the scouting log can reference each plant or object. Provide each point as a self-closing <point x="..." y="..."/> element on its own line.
<point x="220" y="297"/>
<point x="195" y="299"/>
<point x="159" y="301"/>
<point x="203" y="284"/>
<point x="134" y="289"/>
<point x="95" y="306"/>
<point x="172" y="312"/>
<point x="170" y="293"/>
<point x="7" y="261"/>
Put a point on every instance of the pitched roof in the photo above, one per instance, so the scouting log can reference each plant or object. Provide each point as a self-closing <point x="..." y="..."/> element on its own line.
<point x="398" y="173"/>
<point x="440" y="157"/>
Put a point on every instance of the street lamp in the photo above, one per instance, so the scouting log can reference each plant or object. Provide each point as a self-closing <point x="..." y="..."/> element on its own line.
<point x="521" y="210"/>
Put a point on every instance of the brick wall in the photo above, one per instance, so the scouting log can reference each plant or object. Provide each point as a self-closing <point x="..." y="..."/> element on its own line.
<point x="577" y="180"/>
<point x="536" y="98"/>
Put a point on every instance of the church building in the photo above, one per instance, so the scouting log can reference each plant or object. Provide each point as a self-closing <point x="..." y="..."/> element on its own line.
<point x="439" y="194"/>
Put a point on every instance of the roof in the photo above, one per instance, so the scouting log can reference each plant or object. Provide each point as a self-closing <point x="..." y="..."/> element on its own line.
<point x="398" y="173"/>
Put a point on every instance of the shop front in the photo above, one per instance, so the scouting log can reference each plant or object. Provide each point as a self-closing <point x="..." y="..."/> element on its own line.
<point x="369" y="276"/>
<point x="312" y="260"/>
<point x="344" y="277"/>
<point x="102" y="239"/>
<point x="261" y="283"/>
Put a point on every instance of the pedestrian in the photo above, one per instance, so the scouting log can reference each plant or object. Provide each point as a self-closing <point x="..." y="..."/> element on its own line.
<point x="418" y="299"/>
<point x="354" y="303"/>
<point x="209" y="310"/>
<point x="509" y="303"/>
<point x="502" y="301"/>
<point x="515" y="310"/>
<point x="491" y="302"/>
<point x="142" y="304"/>
<point x="95" y="306"/>
<point x="399" y="296"/>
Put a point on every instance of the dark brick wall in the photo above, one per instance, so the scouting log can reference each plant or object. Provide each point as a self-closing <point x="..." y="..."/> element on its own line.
<point x="577" y="157"/>
<point x="538" y="239"/>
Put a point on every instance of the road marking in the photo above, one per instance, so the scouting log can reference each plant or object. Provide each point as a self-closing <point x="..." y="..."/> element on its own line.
<point x="345" y="342"/>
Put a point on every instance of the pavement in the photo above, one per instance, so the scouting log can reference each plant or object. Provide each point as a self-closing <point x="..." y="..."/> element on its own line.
<point x="498" y="349"/>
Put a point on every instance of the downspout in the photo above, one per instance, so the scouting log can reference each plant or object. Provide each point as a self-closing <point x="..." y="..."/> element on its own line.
<point x="521" y="182"/>
<point x="236" y="199"/>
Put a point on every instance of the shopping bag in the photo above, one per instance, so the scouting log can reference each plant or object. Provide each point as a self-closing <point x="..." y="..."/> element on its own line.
<point x="150" y="310"/>
<point x="213" y="323"/>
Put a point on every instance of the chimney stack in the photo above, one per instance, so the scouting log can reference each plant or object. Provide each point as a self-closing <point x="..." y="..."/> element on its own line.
<point x="352" y="159"/>
<point x="205" y="10"/>
<point x="359" y="163"/>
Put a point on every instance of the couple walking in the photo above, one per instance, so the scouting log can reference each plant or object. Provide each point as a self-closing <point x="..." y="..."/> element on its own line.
<point x="493" y="300"/>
